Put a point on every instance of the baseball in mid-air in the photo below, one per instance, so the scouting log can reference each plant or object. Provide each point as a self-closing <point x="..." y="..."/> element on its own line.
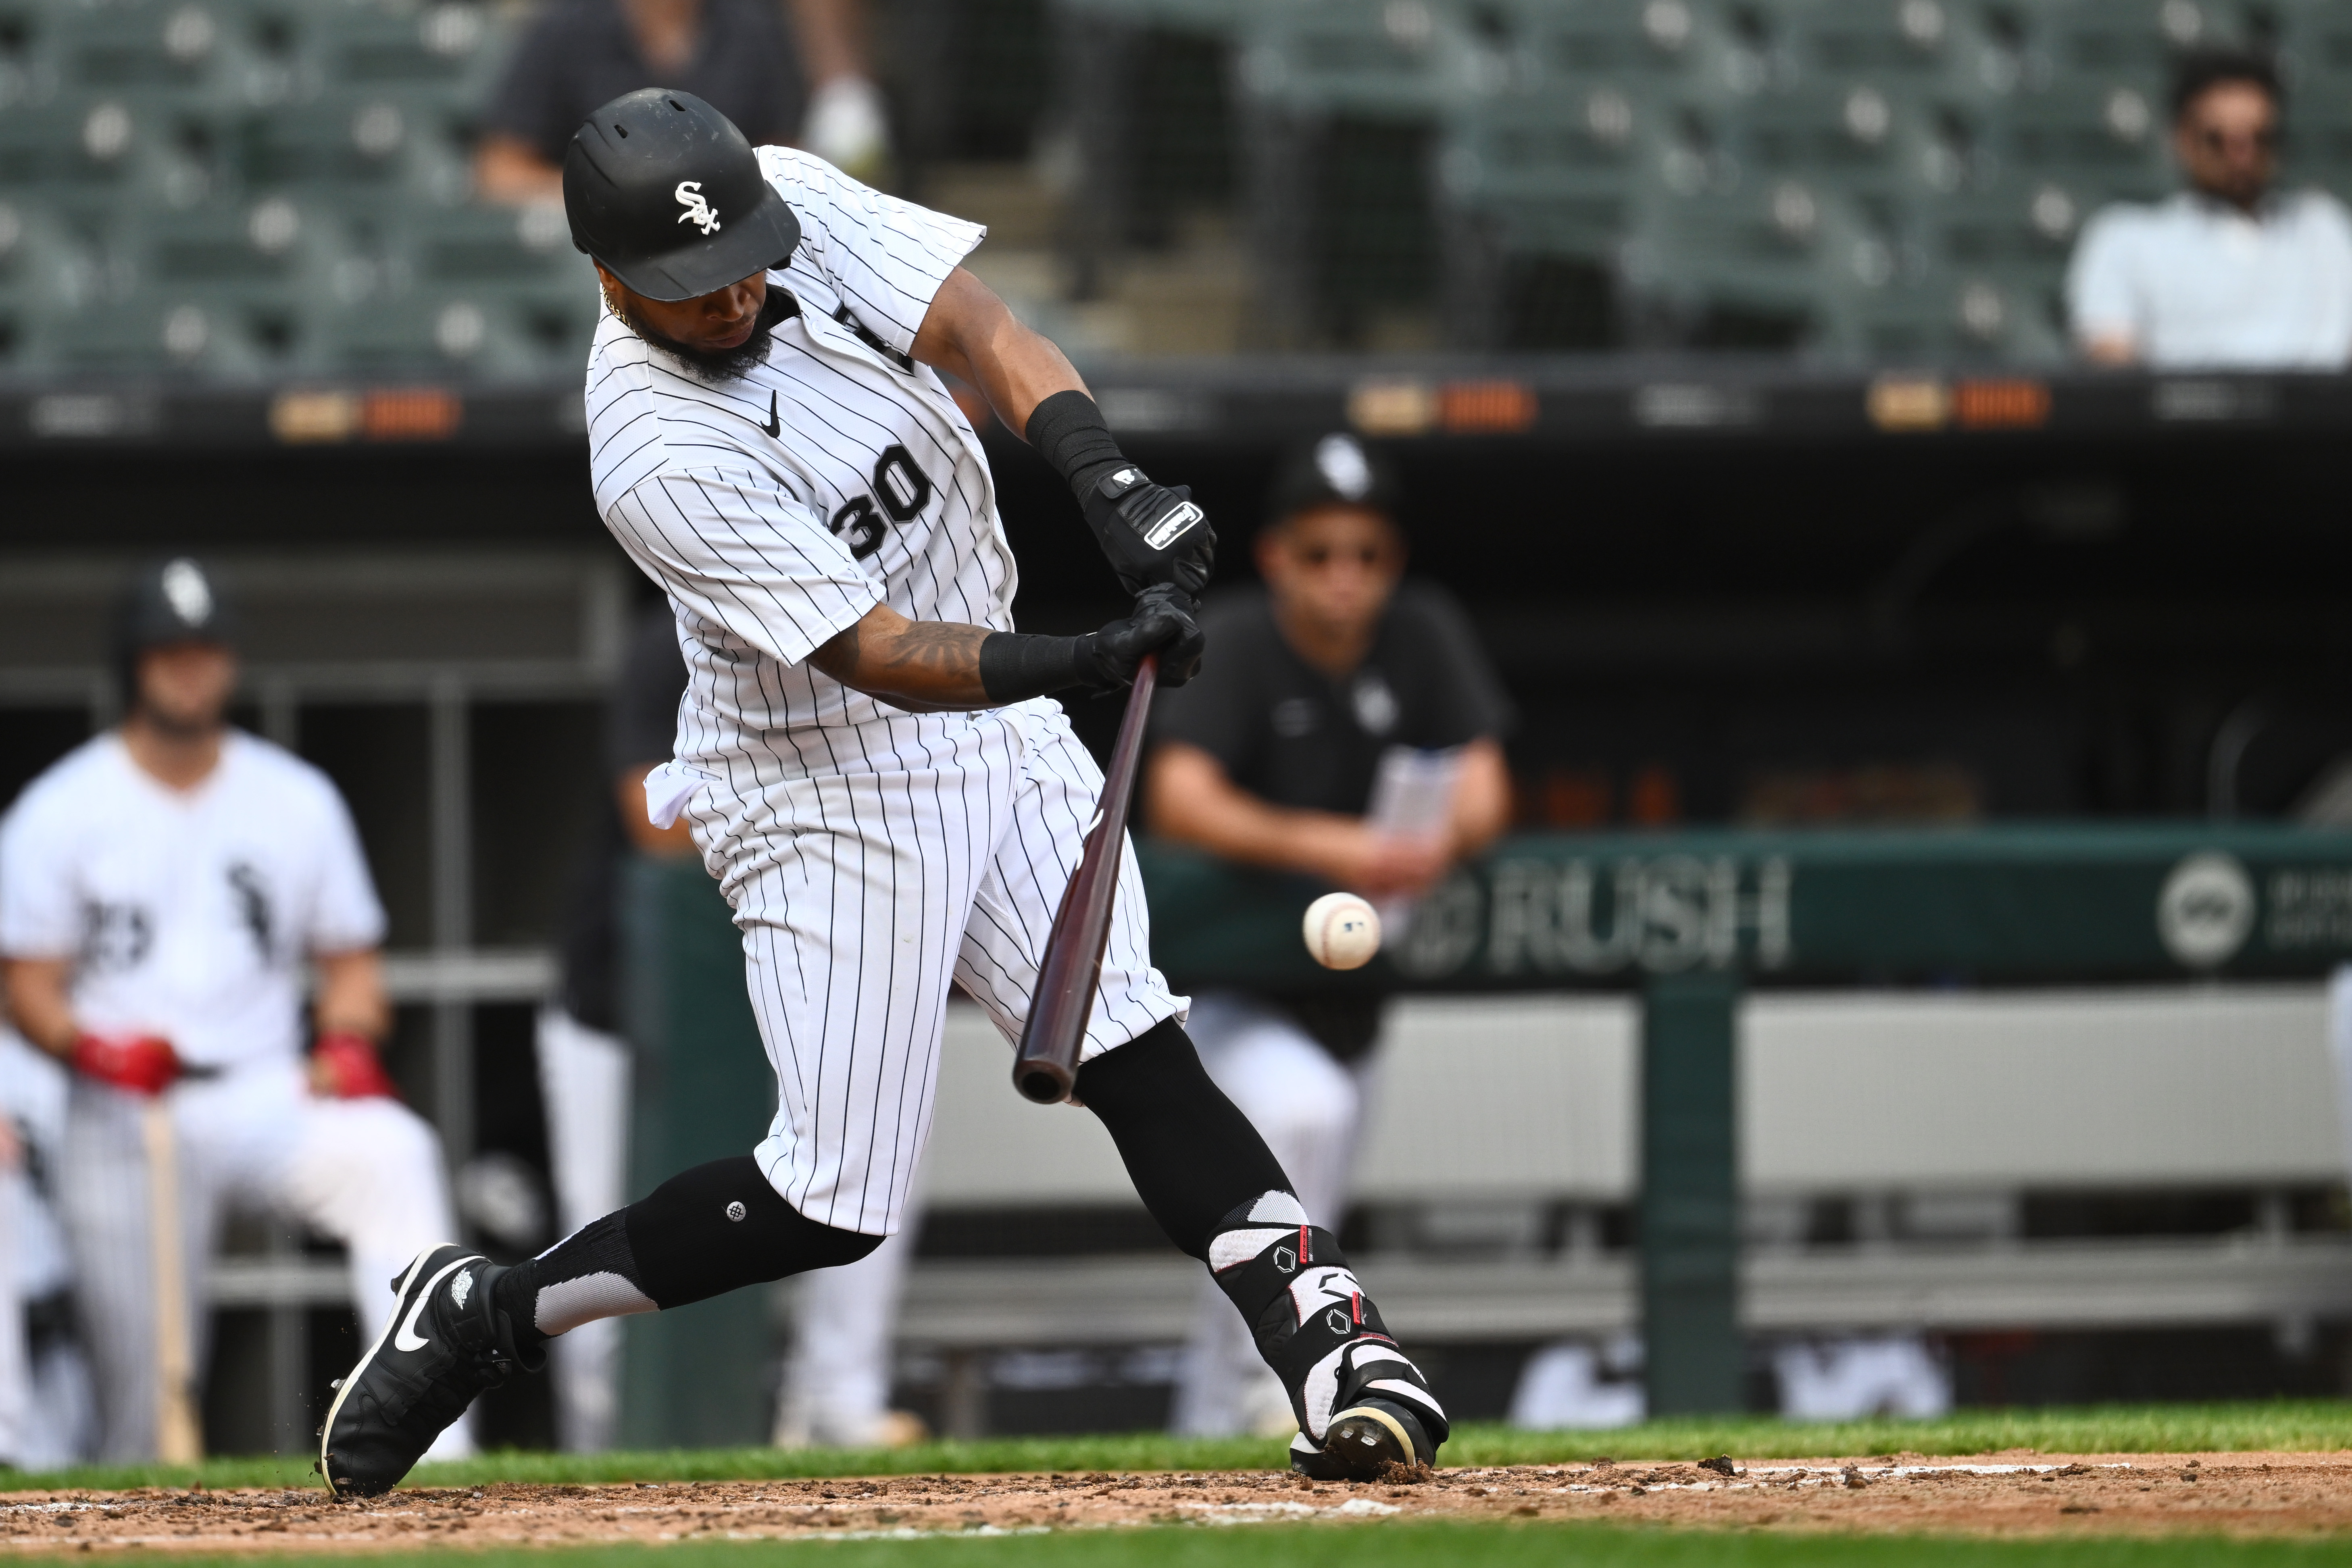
<point x="1342" y="931"/>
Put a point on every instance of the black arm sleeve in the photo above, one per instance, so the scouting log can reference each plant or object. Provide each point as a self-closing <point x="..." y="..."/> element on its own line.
<point x="1017" y="665"/>
<point x="1068" y="430"/>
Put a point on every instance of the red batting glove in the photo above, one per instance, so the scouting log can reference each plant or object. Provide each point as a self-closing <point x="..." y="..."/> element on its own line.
<point x="345" y="1066"/>
<point x="143" y="1064"/>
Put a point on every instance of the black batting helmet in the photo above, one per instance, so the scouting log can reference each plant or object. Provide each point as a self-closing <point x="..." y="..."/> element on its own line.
<point x="662" y="190"/>
<point x="174" y="601"/>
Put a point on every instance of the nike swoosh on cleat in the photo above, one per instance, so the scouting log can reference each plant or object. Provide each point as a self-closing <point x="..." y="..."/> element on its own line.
<point x="407" y="1338"/>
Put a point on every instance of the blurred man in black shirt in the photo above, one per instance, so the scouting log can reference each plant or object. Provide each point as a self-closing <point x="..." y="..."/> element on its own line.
<point x="1269" y="757"/>
<point x="797" y="79"/>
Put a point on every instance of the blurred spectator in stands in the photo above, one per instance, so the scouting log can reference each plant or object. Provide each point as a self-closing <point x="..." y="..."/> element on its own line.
<point x="802" y="81"/>
<point x="1323" y="685"/>
<point x="2230" y="271"/>
<point x="837" y="1375"/>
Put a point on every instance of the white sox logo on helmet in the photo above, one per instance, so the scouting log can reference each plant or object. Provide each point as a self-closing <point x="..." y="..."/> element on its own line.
<point x="698" y="212"/>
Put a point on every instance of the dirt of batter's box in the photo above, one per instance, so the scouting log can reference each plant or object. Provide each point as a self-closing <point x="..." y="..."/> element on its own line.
<point x="1987" y="1494"/>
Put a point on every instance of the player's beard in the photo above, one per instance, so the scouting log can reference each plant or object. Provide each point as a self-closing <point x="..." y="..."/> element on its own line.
<point x="711" y="364"/>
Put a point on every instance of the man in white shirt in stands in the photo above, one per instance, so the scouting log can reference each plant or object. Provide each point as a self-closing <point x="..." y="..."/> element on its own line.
<point x="163" y="889"/>
<point x="2230" y="273"/>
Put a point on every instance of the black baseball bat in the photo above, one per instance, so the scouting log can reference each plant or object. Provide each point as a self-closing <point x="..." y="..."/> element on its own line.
<point x="1048" y="1060"/>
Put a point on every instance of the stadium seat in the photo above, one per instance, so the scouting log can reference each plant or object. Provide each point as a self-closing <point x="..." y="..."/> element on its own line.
<point x="476" y="334"/>
<point x="1950" y="45"/>
<point x="48" y="273"/>
<point x="224" y="286"/>
<point x="95" y="155"/>
<point x="273" y="244"/>
<point x="1783" y="248"/>
<point x="355" y="150"/>
<point x="1886" y="137"/>
<point x="1946" y="315"/>
<point x="2313" y="43"/>
<point x="481" y="292"/>
<point x="1576" y="158"/>
<point x="1367" y="59"/>
<point x="501" y="249"/>
<point x="154" y="331"/>
<point x="444" y="53"/>
<point x="158" y="50"/>
<point x="2021" y="228"/>
<point x="2105" y="135"/>
<point x="1692" y="49"/>
<point x="1557" y="173"/>
<point x="2107" y="40"/>
<point x="214" y="290"/>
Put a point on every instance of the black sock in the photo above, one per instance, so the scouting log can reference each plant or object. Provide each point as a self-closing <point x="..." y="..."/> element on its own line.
<point x="1194" y="1156"/>
<point x="704" y="1232"/>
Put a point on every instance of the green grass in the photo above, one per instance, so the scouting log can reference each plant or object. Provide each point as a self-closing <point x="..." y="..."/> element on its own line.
<point x="1414" y="1545"/>
<point x="2306" y="1424"/>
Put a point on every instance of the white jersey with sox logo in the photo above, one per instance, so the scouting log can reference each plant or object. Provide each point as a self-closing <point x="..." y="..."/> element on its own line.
<point x="872" y="856"/>
<point x="186" y="913"/>
<point x="192" y="914"/>
<point x="779" y="506"/>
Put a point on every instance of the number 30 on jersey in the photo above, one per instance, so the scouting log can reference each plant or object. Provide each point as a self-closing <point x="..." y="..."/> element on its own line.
<point x="904" y="491"/>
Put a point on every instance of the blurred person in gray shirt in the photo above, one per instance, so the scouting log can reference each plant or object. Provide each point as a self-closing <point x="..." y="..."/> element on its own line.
<point x="2231" y="271"/>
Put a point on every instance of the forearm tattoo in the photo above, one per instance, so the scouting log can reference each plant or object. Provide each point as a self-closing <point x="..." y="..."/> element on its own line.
<point x="934" y="663"/>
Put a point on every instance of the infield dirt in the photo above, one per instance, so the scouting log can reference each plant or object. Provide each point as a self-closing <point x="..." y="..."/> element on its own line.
<point x="2009" y="1494"/>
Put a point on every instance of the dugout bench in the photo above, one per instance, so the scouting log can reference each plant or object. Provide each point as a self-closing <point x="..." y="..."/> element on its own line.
<point x="1686" y="921"/>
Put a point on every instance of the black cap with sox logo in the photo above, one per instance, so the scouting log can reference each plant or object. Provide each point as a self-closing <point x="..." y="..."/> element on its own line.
<point x="666" y="193"/>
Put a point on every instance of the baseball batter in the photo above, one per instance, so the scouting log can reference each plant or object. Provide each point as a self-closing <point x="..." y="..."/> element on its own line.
<point x="163" y="889"/>
<point x="872" y="769"/>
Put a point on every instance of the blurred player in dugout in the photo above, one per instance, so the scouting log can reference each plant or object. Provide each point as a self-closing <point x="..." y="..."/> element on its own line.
<point x="837" y="1374"/>
<point x="167" y="892"/>
<point x="1270" y="757"/>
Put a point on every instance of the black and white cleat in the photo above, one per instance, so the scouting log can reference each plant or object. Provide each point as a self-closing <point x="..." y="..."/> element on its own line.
<point x="446" y="1344"/>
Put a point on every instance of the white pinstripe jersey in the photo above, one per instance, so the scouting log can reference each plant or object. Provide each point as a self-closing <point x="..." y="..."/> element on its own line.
<point x="778" y="507"/>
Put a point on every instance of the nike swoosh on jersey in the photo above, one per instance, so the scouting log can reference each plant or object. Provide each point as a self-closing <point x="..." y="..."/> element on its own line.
<point x="406" y="1338"/>
<point x="774" y="426"/>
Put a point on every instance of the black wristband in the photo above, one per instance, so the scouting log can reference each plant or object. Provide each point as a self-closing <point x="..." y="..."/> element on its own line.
<point x="1067" y="431"/>
<point x="1017" y="665"/>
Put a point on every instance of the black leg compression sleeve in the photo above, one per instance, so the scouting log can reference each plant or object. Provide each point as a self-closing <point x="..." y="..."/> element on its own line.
<point x="702" y="1232"/>
<point x="1193" y="1157"/>
<point x="720" y="1227"/>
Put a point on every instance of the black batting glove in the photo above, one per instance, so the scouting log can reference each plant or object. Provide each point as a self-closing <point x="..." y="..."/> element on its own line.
<point x="1163" y="623"/>
<point x="1153" y="535"/>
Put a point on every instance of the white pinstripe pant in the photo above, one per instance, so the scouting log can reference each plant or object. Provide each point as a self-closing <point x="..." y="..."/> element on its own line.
<point x="863" y="893"/>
